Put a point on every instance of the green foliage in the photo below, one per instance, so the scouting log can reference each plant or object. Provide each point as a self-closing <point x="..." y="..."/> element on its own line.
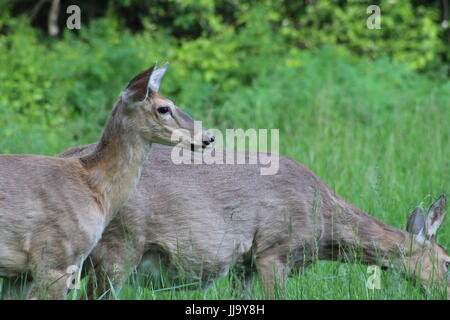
<point x="411" y="32"/>
<point x="408" y="34"/>
<point x="51" y="81"/>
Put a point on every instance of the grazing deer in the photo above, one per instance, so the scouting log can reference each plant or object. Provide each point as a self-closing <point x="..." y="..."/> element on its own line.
<point x="210" y="218"/>
<point x="53" y="210"/>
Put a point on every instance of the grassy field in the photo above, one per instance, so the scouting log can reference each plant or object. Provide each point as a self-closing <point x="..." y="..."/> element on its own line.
<point x="374" y="131"/>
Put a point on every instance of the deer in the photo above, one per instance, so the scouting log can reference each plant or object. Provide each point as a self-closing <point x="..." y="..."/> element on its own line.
<point x="211" y="218"/>
<point x="53" y="210"/>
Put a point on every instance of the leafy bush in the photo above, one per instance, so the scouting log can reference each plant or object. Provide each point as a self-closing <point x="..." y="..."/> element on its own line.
<point x="48" y="82"/>
<point x="51" y="86"/>
<point x="408" y="34"/>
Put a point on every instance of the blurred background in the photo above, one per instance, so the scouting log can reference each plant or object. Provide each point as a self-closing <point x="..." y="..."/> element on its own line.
<point x="367" y="110"/>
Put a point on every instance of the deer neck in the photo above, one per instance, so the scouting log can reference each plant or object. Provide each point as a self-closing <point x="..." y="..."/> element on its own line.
<point x="355" y="235"/>
<point x="114" y="167"/>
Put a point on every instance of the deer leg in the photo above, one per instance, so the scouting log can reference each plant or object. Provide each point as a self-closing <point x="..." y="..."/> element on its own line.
<point x="50" y="284"/>
<point x="92" y="284"/>
<point x="242" y="286"/>
<point x="96" y="285"/>
<point x="273" y="273"/>
<point x="241" y="282"/>
<point x="106" y="280"/>
<point x="108" y="274"/>
<point x="53" y="273"/>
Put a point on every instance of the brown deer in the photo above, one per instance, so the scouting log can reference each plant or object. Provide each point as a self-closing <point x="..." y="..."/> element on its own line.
<point x="53" y="210"/>
<point x="209" y="218"/>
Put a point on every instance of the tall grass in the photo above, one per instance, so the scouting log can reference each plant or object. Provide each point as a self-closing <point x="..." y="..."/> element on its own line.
<point x="375" y="132"/>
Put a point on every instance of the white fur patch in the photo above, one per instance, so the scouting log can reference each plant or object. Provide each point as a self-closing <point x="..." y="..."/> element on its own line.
<point x="156" y="77"/>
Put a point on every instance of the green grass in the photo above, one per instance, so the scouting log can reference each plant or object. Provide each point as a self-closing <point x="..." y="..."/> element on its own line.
<point x="375" y="132"/>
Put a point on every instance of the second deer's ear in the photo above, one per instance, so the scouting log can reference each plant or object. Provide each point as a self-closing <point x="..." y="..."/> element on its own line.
<point x="435" y="216"/>
<point x="416" y="223"/>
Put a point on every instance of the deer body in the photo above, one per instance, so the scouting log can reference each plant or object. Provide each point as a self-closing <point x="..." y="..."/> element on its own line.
<point x="54" y="210"/>
<point x="205" y="219"/>
<point x="45" y="212"/>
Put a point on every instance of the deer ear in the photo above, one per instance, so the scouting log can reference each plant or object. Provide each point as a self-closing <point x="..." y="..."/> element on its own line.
<point x="435" y="216"/>
<point x="416" y="223"/>
<point x="137" y="88"/>
<point x="155" y="78"/>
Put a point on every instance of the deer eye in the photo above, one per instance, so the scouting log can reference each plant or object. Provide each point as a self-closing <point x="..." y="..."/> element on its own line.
<point x="447" y="265"/>
<point x="163" y="110"/>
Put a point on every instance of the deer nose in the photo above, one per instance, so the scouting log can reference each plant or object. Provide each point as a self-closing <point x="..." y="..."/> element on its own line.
<point x="208" y="141"/>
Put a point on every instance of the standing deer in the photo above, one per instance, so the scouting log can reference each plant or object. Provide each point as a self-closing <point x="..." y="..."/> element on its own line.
<point x="210" y="218"/>
<point x="53" y="210"/>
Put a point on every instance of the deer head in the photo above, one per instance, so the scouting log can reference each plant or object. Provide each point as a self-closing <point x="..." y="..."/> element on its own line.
<point x="157" y="118"/>
<point x="435" y="261"/>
